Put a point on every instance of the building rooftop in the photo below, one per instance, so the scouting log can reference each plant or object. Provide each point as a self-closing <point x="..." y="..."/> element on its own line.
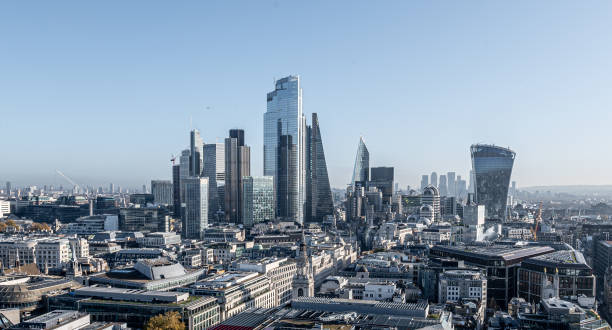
<point x="565" y="258"/>
<point x="225" y="280"/>
<point x="504" y="252"/>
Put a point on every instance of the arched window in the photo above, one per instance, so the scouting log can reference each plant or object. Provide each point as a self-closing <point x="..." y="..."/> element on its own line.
<point x="300" y="292"/>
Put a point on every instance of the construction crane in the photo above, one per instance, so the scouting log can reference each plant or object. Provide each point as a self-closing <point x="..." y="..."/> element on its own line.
<point x="536" y="221"/>
<point x="172" y="159"/>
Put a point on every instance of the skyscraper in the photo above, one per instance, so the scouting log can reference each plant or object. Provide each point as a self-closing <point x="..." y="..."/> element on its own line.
<point x="442" y="186"/>
<point x="434" y="179"/>
<point x="287" y="180"/>
<point x="258" y="200"/>
<point x="8" y="188"/>
<point x="237" y="166"/>
<point x="195" y="160"/>
<point x="361" y="170"/>
<point x="184" y="164"/>
<point x="162" y="191"/>
<point x="492" y="167"/>
<point x="320" y="190"/>
<point x="214" y="170"/>
<point x="195" y="219"/>
<point x="382" y="178"/>
<point x="424" y="181"/>
<point x="284" y="118"/>
<point x="451" y="184"/>
<point x="176" y="190"/>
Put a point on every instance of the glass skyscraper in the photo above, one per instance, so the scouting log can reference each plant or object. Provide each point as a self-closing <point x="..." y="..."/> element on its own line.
<point x="258" y="199"/>
<point x="284" y="123"/>
<point x="237" y="166"/>
<point x="361" y="171"/>
<point x="492" y="168"/>
<point x="320" y="191"/>
<point x="196" y="207"/>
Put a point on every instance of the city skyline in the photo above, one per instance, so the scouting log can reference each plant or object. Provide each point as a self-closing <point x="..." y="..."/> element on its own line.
<point x="101" y="91"/>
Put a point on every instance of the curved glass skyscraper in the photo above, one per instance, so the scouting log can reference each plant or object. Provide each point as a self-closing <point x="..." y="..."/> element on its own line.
<point x="492" y="168"/>
<point x="361" y="171"/>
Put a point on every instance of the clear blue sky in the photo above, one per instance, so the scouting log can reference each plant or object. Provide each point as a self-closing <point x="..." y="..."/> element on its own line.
<point x="104" y="90"/>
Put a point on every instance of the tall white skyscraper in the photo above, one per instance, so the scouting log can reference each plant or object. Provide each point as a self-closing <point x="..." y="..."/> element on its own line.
<point x="196" y="207"/>
<point x="285" y="148"/>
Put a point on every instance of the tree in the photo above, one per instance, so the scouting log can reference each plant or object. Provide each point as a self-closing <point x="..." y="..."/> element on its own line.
<point x="167" y="321"/>
<point x="36" y="226"/>
<point x="2" y="227"/>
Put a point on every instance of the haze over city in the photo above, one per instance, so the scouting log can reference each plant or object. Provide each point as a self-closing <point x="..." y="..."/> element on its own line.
<point x="107" y="93"/>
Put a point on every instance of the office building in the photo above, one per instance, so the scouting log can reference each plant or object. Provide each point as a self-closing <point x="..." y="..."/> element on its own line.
<point x="162" y="191"/>
<point x="284" y="132"/>
<point x="424" y="182"/>
<point x="500" y="263"/>
<point x="560" y="274"/>
<point x="382" y="179"/>
<point x="451" y="183"/>
<point x="492" y="167"/>
<point x="184" y="166"/>
<point x="433" y="179"/>
<point x="258" y="200"/>
<point x="56" y="320"/>
<point x="195" y="153"/>
<point x="237" y="166"/>
<point x="459" y="284"/>
<point x="280" y="271"/>
<point x="321" y="200"/>
<point x="214" y="170"/>
<point x="150" y="219"/>
<point x="443" y="186"/>
<point x="236" y="291"/>
<point x="473" y="220"/>
<point x="176" y="190"/>
<point x="195" y="219"/>
<point x="431" y="197"/>
<point x="5" y="208"/>
<point x="361" y="170"/>
<point x="136" y="307"/>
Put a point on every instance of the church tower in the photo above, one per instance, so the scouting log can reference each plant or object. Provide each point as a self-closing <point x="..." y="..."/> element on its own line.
<point x="303" y="282"/>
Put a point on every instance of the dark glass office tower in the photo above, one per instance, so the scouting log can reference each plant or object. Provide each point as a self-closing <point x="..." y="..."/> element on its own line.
<point x="382" y="178"/>
<point x="361" y="171"/>
<point x="237" y="166"/>
<point x="492" y="168"/>
<point x="287" y="180"/>
<point x="321" y="200"/>
<point x="195" y="158"/>
<point x="176" y="190"/>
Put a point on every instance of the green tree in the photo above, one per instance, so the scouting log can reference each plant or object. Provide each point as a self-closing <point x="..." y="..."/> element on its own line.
<point x="166" y="321"/>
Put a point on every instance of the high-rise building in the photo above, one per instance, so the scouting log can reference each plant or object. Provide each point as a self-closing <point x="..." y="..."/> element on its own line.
<point x="214" y="170"/>
<point x="442" y="186"/>
<point x="237" y="166"/>
<point x="111" y="188"/>
<point x="431" y="197"/>
<point x="321" y="200"/>
<point x="258" y="199"/>
<point x="434" y="179"/>
<point x="284" y="123"/>
<point x="286" y="180"/>
<point x="451" y="184"/>
<point x="492" y="167"/>
<point x="361" y="170"/>
<point x="195" y="219"/>
<point x="8" y="188"/>
<point x="424" y="182"/>
<point x="162" y="191"/>
<point x="195" y="158"/>
<point x="471" y="184"/>
<point x="185" y="163"/>
<point x="176" y="190"/>
<point x="382" y="178"/>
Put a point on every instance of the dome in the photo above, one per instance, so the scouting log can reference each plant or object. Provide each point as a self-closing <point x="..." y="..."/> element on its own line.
<point x="431" y="191"/>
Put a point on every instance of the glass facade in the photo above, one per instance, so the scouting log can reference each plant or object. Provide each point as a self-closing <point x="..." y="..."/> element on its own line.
<point x="258" y="199"/>
<point x="284" y="117"/>
<point x="322" y="203"/>
<point x="361" y="171"/>
<point x="196" y="207"/>
<point x="492" y="168"/>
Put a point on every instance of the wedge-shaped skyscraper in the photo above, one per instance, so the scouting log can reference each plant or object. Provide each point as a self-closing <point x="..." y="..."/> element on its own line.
<point x="322" y="203"/>
<point x="492" y="168"/>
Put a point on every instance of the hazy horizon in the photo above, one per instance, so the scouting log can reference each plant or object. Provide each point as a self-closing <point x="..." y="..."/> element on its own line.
<point x="106" y="92"/>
